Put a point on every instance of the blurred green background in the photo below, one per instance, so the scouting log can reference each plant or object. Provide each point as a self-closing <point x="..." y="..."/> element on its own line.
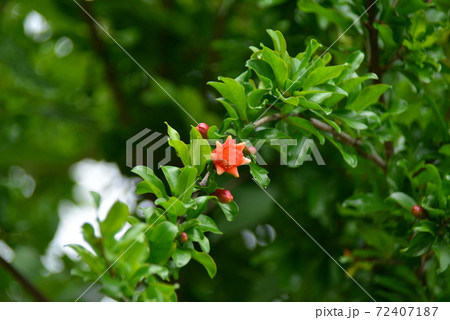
<point x="70" y="98"/>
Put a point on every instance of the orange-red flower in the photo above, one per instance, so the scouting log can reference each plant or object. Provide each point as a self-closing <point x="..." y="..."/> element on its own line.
<point x="228" y="156"/>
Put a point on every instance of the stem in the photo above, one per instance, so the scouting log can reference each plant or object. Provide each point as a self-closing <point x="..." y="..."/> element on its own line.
<point x="342" y="137"/>
<point x="27" y="285"/>
<point x="373" y="40"/>
<point x="204" y="181"/>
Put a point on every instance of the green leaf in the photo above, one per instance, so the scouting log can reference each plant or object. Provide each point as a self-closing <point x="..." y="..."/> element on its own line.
<point x="426" y="226"/>
<point x="351" y="118"/>
<point x="173" y="134"/>
<point x="323" y="74"/>
<point x="89" y="258"/>
<point x="386" y="34"/>
<point x="330" y="14"/>
<point x="230" y="210"/>
<point x="445" y="150"/>
<point x="442" y="250"/>
<point x="148" y="270"/>
<point x="89" y="236"/>
<point x="172" y="173"/>
<point x="405" y="201"/>
<point x="115" y="220"/>
<point x="259" y="174"/>
<point x="97" y="199"/>
<point x="186" y="183"/>
<point x="154" y="183"/>
<point x="312" y="105"/>
<point x="279" y="42"/>
<point x="323" y="88"/>
<point x="182" y="151"/>
<point x="351" y="159"/>
<point x="418" y="25"/>
<point x="420" y="244"/>
<point x="173" y="205"/>
<point x="202" y="203"/>
<point x="205" y="260"/>
<point x="368" y="96"/>
<point x="255" y="97"/>
<point x="162" y="243"/>
<point x="204" y="244"/>
<point x="306" y="125"/>
<point x="181" y="257"/>
<point x="263" y="70"/>
<point x="277" y="64"/>
<point x="208" y="225"/>
<point x="231" y="112"/>
<point x="233" y="91"/>
<point x="311" y="48"/>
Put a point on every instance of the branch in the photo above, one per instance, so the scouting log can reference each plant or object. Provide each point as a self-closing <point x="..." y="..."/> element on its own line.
<point x="373" y="40"/>
<point x="27" y="285"/>
<point x="342" y="137"/>
<point x="110" y="72"/>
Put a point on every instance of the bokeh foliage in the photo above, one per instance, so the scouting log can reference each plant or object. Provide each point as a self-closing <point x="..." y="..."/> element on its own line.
<point x="58" y="106"/>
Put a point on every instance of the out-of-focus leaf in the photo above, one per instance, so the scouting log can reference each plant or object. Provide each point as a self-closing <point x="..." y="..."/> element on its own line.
<point x="420" y="244"/>
<point x="115" y="220"/>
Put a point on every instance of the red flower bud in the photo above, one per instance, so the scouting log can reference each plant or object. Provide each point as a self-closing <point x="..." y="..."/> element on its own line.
<point x="228" y="156"/>
<point x="223" y="195"/>
<point x="250" y="149"/>
<point x="203" y="129"/>
<point x="184" y="237"/>
<point x="418" y="212"/>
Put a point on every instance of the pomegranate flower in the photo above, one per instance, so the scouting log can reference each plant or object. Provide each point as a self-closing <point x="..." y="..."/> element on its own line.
<point x="228" y="156"/>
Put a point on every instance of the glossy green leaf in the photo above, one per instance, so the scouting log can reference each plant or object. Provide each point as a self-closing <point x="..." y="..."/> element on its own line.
<point x="279" y="42"/>
<point x="205" y="260"/>
<point x="186" y="183"/>
<point x="420" y="244"/>
<point x="368" y="96"/>
<point x="233" y="91"/>
<point x="153" y="182"/>
<point x="442" y="250"/>
<point x="162" y="243"/>
<point x="172" y="173"/>
<point x="306" y="125"/>
<point x="230" y="210"/>
<point x="260" y="174"/>
<point x="278" y="65"/>
<point x="208" y="225"/>
<point x="323" y="74"/>
<point x="405" y="201"/>
<point x="350" y="158"/>
<point x="181" y="257"/>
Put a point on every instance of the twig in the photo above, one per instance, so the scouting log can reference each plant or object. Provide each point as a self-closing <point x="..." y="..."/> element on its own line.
<point x="269" y="118"/>
<point x="342" y="137"/>
<point x="27" y="285"/>
<point x="373" y="40"/>
<point x="204" y="180"/>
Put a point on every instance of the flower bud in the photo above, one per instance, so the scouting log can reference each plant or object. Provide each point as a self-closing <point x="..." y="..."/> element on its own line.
<point x="203" y="129"/>
<point x="418" y="212"/>
<point x="223" y="195"/>
<point x="250" y="149"/>
<point x="184" y="237"/>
